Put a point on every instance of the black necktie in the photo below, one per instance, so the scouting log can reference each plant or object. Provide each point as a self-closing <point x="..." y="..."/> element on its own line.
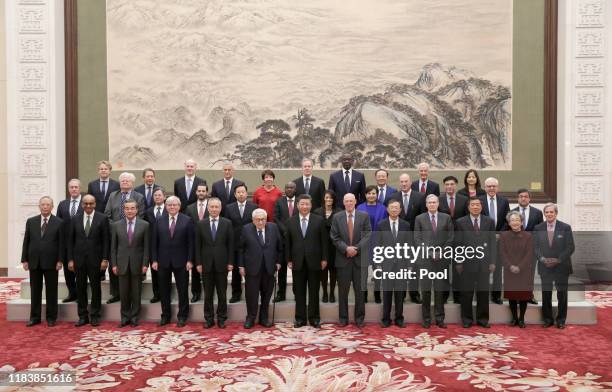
<point x="347" y="180"/>
<point x="43" y="228"/>
<point x="158" y="213"/>
<point x="261" y="237"/>
<point x="394" y="230"/>
<point x="307" y="185"/>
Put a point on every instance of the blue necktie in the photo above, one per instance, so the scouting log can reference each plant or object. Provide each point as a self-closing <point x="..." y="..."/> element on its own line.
<point x="123" y="199"/>
<point x="214" y="229"/>
<point x="304" y="227"/>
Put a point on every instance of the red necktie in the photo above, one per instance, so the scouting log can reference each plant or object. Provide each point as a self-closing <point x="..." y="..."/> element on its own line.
<point x="350" y="228"/>
<point x="452" y="206"/>
<point x="290" y="207"/>
<point x="434" y="226"/>
<point x="422" y="187"/>
<point x="476" y="227"/>
<point x="172" y="226"/>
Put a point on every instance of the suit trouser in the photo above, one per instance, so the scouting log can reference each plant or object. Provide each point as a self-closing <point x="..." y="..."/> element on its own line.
<point x="114" y="283"/>
<point x="130" y="287"/>
<point x="304" y="279"/>
<point x="236" y="282"/>
<point x="350" y="273"/>
<point x="455" y="280"/>
<point x="282" y="281"/>
<point x="393" y="295"/>
<point x="196" y="282"/>
<point x="155" y="283"/>
<point x="36" y="286"/>
<point x="256" y="286"/>
<point x="70" y="278"/>
<point x="181" y="278"/>
<point x="438" y="286"/>
<point x="89" y="271"/>
<point x="474" y="281"/>
<point x="496" y="289"/>
<point x="560" y="280"/>
<point x="214" y="279"/>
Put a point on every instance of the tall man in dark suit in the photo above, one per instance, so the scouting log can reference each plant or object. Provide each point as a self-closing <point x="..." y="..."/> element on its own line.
<point x="390" y="232"/>
<point x="260" y="256"/>
<point x="531" y="218"/>
<point x="66" y="209"/>
<point x="306" y="251"/>
<point x="433" y="229"/>
<point x="554" y="246"/>
<point x="155" y="212"/>
<point x="129" y="259"/>
<point x="350" y="234"/>
<point x="347" y="180"/>
<point x="284" y="209"/>
<point x="148" y="187"/>
<point x="308" y="184"/>
<point x="240" y="214"/>
<point x="42" y="255"/>
<point x="198" y="211"/>
<point x="115" y="211"/>
<point x="475" y="230"/>
<point x="173" y="254"/>
<point x="185" y="187"/>
<point x="88" y="252"/>
<point x="214" y="258"/>
<point x="424" y="184"/>
<point x="496" y="207"/>
<point x="384" y="190"/>
<point x="412" y="204"/>
<point x="103" y="186"/>
<point x="224" y="189"/>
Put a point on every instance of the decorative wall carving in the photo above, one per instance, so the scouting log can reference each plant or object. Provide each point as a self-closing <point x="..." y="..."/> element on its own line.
<point x="589" y="131"/>
<point x="589" y="190"/>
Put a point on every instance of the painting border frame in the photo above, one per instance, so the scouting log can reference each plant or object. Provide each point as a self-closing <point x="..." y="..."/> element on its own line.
<point x="549" y="192"/>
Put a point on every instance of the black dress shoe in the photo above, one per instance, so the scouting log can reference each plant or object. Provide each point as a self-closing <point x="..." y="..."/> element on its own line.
<point x="547" y="324"/>
<point x="51" y="323"/>
<point x="163" y="321"/>
<point x="385" y="324"/>
<point x="514" y="323"/>
<point x="360" y="324"/>
<point x="70" y="298"/>
<point x="134" y="323"/>
<point x="325" y="298"/>
<point x="32" y="323"/>
<point x="196" y="297"/>
<point x="400" y="324"/>
<point x="561" y="325"/>
<point x="467" y="325"/>
<point x="332" y="298"/>
<point x="221" y="324"/>
<point x="248" y="324"/>
<point x="521" y="324"/>
<point x="154" y="300"/>
<point x="81" y="322"/>
<point x="498" y="301"/>
<point x="426" y="324"/>
<point x="95" y="322"/>
<point x="298" y="324"/>
<point x="533" y="301"/>
<point x="266" y="324"/>
<point x="279" y="298"/>
<point x="416" y="300"/>
<point x="209" y="324"/>
<point x="441" y="325"/>
<point x="112" y="300"/>
<point x="233" y="300"/>
<point x="181" y="323"/>
<point x="484" y="325"/>
<point x="123" y="323"/>
<point x="343" y="323"/>
<point x="316" y="323"/>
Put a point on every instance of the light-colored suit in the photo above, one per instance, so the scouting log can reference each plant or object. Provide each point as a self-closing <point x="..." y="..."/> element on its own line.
<point x="113" y="206"/>
<point x="351" y="269"/>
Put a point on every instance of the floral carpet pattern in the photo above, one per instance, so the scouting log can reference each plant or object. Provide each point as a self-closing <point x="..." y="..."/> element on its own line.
<point x="282" y="358"/>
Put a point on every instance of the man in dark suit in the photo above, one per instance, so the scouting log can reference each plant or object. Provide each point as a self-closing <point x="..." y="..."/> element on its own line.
<point x="475" y="230"/>
<point x="496" y="207"/>
<point x="260" y="256"/>
<point x="284" y="209"/>
<point x="103" y="186"/>
<point x="88" y="253"/>
<point x="412" y="204"/>
<point x="554" y="246"/>
<point x="384" y="190"/>
<point x="148" y="187"/>
<point x="347" y="180"/>
<point x="390" y="232"/>
<point x="350" y="234"/>
<point x="115" y="211"/>
<point x="240" y="214"/>
<point x="531" y="218"/>
<point x="306" y="251"/>
<point x="42" y="255"/>
<point x="224" y="189"/>
<point x="214" y="258"/>
<point x="308" y="184"/>
<point x="129" y="259"/>
<point x="424" y="184"/>
<point x="155" y="212"/>
<point x="433" y="229"/>
<point x="198" y="211"/>
<point x="173" y="254"/>
<point x="66" y="209"/>
<point x="185" y="187"/>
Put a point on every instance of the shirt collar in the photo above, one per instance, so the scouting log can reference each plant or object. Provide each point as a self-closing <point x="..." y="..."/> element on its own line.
<point x="307" y="217"/>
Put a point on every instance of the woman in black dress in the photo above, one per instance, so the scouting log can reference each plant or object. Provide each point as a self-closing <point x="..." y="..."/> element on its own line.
<point x="327" y="211"/>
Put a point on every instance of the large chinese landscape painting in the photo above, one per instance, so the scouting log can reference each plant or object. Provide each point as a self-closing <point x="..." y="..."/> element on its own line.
<point x="264" y="83"/>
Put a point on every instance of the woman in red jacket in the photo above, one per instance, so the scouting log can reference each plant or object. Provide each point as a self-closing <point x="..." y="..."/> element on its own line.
<point x="266" y="195"/>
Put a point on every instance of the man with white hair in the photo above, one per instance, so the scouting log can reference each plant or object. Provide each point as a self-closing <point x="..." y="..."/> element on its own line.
<point x="66" y="209"/>
<point x="424" y="184"/>
<point x="185" y="187"/>
<point x="260" y="256"/>
<point x="115" y="212"/>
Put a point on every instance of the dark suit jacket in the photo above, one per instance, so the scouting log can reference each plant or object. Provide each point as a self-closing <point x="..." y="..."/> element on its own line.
<point x="281" y="212"/>
<point x="252" y="254"/>
<point x="362" y="232"/>
<point x="306" y="252"/>
<point x="43" y="252"/>
<point x="63" y="210"/>
<point x="316" y="191"/>
<point x="92" y="248"/>
<point x="232" y="213"/>
<point x="479" y="192"/>
<point x="416" y="206"/>
<point x="465" y="235"/>
<point x="175" y="251"/>
<point x="424" y="234"/>
<point x="384" y="237"/>
<point x="142" y="189"/>
<point x="535" y="217"/>
<point x="192" y="212"/>
<point x="122" y="254"/>
<point x="93" y="188"/>
<point x="218" y="190"/>
<point x="113" y="205"/>
<point x="150" y="215"/>
<point x="218" y="252"/>
<point x="461" y="206"/>
<point x="180" y="191"/>
<point x="503" y="208"/>
<point x="432" y="187"/>
<point x="388" y="194"/>
<point x="562" y="247"/>
<point x="358" y="186"/>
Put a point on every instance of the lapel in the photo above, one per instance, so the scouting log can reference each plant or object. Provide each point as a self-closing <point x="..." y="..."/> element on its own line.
<point x="38" y="221"/>
<point x="531" y="216"/>
<point x="123" y="230"/>
<point x="81" y="225"/>
<point x="284" y="206"/>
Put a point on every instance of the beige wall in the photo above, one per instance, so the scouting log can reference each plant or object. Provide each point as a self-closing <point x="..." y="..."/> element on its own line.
<point x="3" y="142"/>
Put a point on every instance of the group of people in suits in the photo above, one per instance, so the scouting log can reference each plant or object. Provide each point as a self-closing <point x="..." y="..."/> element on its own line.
<point x="322" y="235"/>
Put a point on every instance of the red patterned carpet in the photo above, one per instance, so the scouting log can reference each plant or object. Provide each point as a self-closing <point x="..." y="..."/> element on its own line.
<point x="149" y="358"/>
